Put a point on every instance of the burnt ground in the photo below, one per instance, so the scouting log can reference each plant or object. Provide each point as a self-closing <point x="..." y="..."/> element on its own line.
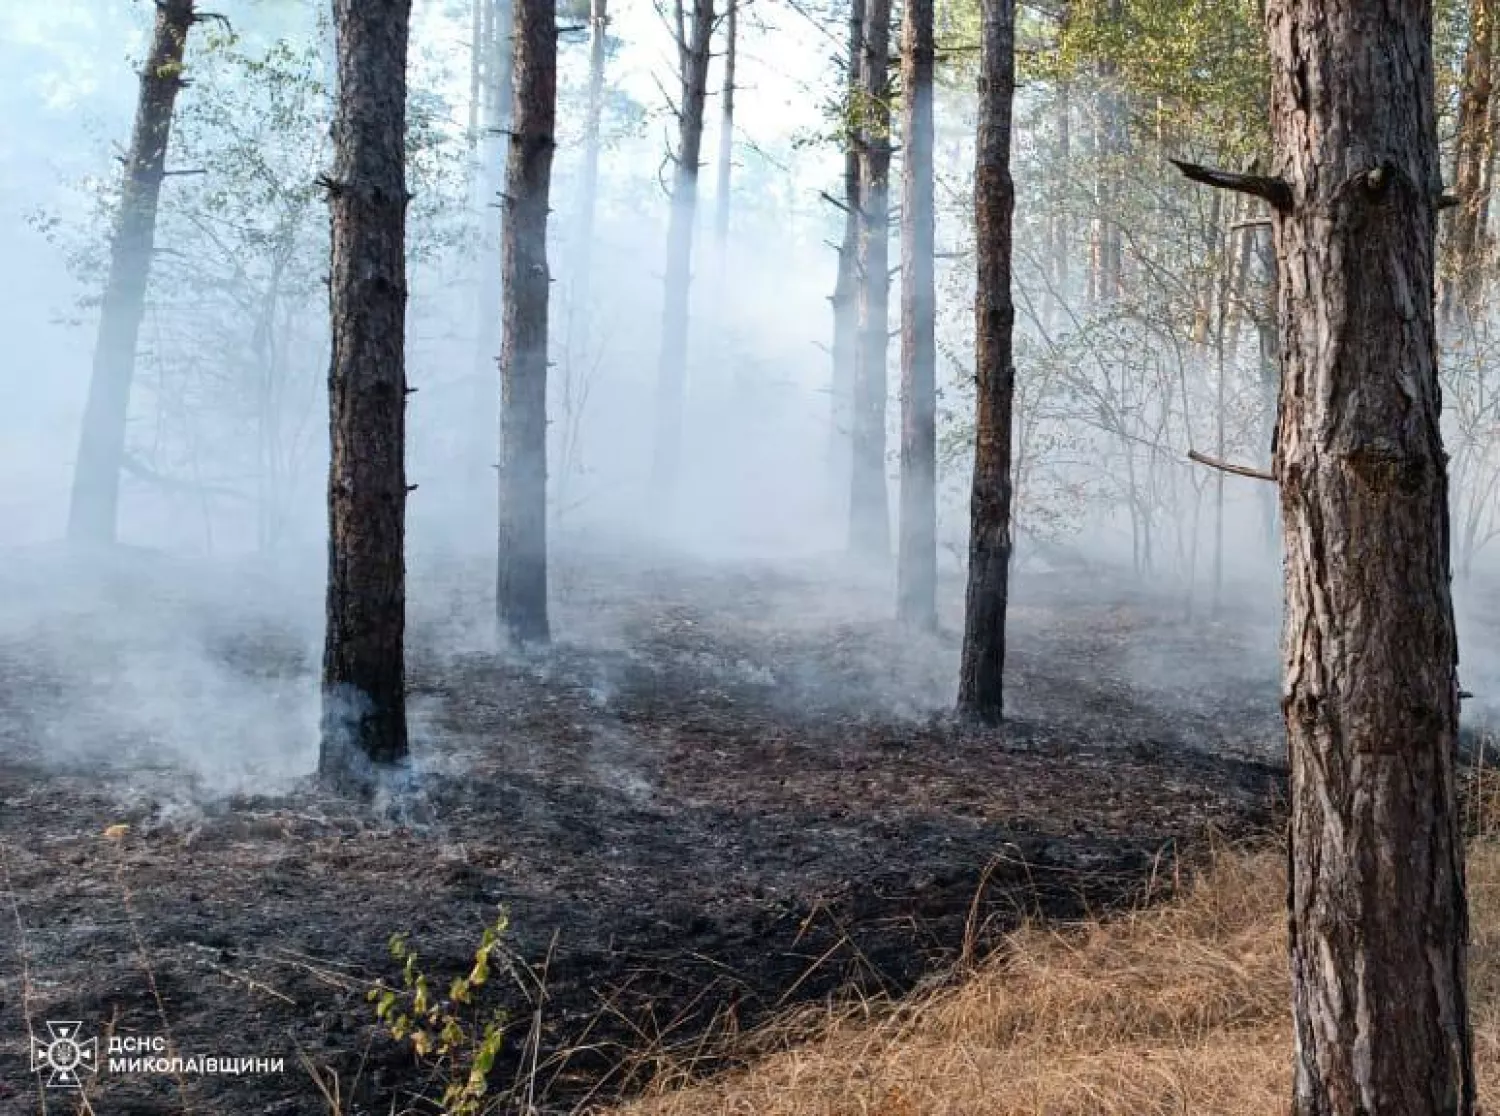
<point x="726" y="791"/>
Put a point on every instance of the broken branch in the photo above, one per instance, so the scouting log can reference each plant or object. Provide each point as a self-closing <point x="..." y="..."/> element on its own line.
<point x="1273" y="190"/>
<point x="1227" y="467"/>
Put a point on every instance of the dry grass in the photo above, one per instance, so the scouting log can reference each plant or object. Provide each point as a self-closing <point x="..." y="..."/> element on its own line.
<point x="1175" y="1009"/>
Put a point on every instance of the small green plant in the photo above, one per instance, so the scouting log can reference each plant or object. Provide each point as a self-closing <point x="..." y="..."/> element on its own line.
<point x="436" y="1026"/>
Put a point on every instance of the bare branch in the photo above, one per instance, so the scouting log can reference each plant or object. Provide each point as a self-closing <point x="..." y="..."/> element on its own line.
<point x="842" y="207"/>
<point x="1227" y="467"/>
<point x="214" y="17"/>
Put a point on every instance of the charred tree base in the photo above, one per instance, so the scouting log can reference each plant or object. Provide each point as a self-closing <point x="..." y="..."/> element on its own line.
<point x="363" y="744"/>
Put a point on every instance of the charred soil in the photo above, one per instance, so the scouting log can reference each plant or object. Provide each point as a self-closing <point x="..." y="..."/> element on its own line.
<point x="723" y="793"/>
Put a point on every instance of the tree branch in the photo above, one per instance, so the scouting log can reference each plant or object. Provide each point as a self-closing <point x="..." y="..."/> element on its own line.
<point x="1273" y="190"/>
<point x="1226" y="467"/>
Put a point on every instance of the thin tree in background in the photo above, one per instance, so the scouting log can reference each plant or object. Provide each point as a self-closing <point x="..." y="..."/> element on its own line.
<point x="1110" y="140"/>
<point x="845" y="299"/>
<point x="93" y="511"/>
<point x="1467" y="240"/>
<point x="588" y="186"/>
<point x="1378" y="920"/>
<point x="521" y="582"/>
<point x="692" y="59"/>
<point x="869" y="503"/>
<point x="916" y="566"/>
<point x="493" y="65"/>
<point x="726" y="132"/>
<point x="364" y="705"/>
<point x="982" y="667"/>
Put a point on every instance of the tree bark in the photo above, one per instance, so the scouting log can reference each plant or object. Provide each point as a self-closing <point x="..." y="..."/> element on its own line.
<point x="1378" y="917"/>
<point x="94" y="507"/>
<point x="981" y="672"/>
<point x="672" y="367"/>
<point x="521" y="583"/>
<point x="364" y="709"/>
<point x="845" y="298"/>
<point x="1463" y="279"/>
<point x="869" y="504"/>
<point x="916" y="566"/>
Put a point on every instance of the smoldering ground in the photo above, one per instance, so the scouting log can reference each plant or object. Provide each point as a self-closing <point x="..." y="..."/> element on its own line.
<point x="732" y="787"/>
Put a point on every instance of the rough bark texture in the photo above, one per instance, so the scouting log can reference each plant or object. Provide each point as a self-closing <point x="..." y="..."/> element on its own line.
<point x="1464" y="270"/>
<point x="672" y="368"/>
<point x="364" y="711"/>
<point x="93" y="510"/>
<point x="981" y="670"/>
<point x="869" y="504"/>
<point x="845" y="298"/>
<point x="916" y="567"/>
<point x="726" y="131"/>
<point x="521" y="583"/>
<point x="1378" y="917"/>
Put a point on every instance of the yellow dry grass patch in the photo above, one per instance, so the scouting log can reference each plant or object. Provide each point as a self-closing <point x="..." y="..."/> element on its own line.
<point x="1175" y="1009"/>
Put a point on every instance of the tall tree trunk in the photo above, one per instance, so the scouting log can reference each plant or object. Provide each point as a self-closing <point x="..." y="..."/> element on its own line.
<point x="94" y="507"/>
<point x="869" y="503"/>
<point x="497" y="63"/>
<point x="1378" y="916"/>
<point x="364" y="706"/>
<point x="521" y="584"/>
<point x="845" y="298"/>
<point x="693" y="53"/>
<point x="981" y="670"/>
<point x="916" y="567"/>
<point x="588" y="187"/>
<point x="726" y="131"/>
<point x="1464" y="273"/>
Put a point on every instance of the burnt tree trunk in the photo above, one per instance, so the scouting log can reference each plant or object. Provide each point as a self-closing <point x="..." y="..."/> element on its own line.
<point x="364" y="706"/>
<point x="726" y="132"/>
<point x="1463" y="279"/>
<point x="982" y="667"/>
<point x="94" y="507"/>
<point x="693" y="54"/>
<point x="869" y="505"/>
<point x="916" y="566"/>
<point x="845" y="298"/>
<point x="1378" y="916"/>
<point x="521" y="582"/>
